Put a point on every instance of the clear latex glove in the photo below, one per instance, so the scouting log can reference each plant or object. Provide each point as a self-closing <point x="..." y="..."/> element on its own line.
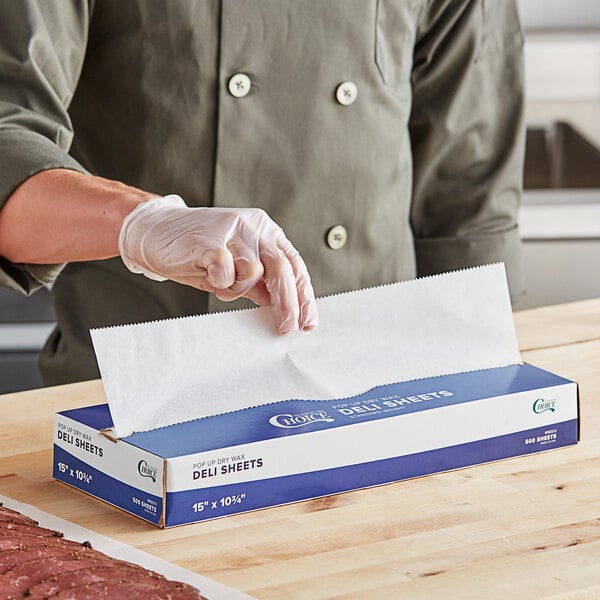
<point x="231" y="252"/>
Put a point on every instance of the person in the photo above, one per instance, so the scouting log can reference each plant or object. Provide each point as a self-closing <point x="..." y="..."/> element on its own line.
<point x="153" y="153"/>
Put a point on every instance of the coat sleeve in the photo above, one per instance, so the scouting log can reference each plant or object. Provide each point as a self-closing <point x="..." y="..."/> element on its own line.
<point x="42" y="46"/>
<point x="467" y="135"/>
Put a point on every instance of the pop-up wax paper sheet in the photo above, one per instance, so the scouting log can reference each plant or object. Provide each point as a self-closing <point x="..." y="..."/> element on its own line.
<point x="166" y="372"/>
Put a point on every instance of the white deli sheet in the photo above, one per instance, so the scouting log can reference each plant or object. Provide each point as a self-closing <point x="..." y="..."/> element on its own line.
<point x="165" y="372"/>
<point x="210" y="589"/>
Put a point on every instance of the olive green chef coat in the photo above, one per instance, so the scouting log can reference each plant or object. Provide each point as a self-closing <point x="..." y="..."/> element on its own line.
<point x="384" y="136"/>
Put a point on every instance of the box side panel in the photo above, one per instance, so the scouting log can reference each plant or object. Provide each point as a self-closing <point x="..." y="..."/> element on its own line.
<point x="112" y="471"/>
<point x="76" y="473"/>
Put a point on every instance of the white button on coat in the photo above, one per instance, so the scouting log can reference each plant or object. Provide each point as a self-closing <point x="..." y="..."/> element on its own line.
<point x="346" y="93"/>
<point x="239" y="85"/>
<point x="337" y="237"/>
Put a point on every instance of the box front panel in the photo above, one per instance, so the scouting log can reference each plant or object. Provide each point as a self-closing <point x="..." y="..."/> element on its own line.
<point x="188" y="506"/>
<point x="369" y="453"/>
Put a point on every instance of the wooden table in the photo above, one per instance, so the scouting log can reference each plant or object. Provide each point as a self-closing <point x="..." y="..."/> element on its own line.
<point x="521" y="528"/>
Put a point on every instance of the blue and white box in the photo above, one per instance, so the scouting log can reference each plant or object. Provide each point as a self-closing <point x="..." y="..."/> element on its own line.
<point x="301" y="449"/>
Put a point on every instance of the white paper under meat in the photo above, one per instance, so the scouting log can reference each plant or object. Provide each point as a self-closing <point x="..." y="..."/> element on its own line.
<point x="208" y="588"/>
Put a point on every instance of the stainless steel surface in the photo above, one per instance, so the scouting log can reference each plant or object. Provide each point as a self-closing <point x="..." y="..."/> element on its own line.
<point x="569" y="214"/>
<point x="558" y="156"/>
<point x="23" y="337"/>
<point x="15" y="307"/>
<point x="25" y="323"/>
<point x="563" y="66"/>
<point x="559" y="14"/>
<point x="560" y="216"/>
<point x="18" y="371"/>
<point x="558" y="271"/>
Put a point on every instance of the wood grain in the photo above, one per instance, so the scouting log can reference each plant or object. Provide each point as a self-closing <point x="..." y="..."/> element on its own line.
<point x="521" y="528"/>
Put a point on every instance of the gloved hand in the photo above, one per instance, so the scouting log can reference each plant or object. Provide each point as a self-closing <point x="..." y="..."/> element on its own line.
<point x="230" y="252"/>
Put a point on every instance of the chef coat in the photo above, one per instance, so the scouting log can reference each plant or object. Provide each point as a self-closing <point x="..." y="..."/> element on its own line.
<point x="384" y="136"/>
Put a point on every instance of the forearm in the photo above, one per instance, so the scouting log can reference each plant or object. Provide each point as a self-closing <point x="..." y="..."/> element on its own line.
<point x="61" y="215"/>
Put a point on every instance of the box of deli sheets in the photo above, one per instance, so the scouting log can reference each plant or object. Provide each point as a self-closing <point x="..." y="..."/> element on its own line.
<point x="296" y="450"/>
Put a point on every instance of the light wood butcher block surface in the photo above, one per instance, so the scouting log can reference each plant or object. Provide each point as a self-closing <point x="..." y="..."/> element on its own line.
<point x="516" y="529"/>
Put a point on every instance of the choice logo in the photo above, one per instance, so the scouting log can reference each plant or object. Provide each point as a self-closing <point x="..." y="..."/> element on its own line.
<point x="145" y="470"/>
<point x="540" y="406"/>
<point x="290" y="421"/>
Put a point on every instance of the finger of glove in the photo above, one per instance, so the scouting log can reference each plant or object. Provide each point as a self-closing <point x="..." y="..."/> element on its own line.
<point x="308" y="318"/>
<point x="280" y="282"/>
<point x="259" y="294"/>
<point x="219" y="266"/>
<point x="247" y="274"/>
